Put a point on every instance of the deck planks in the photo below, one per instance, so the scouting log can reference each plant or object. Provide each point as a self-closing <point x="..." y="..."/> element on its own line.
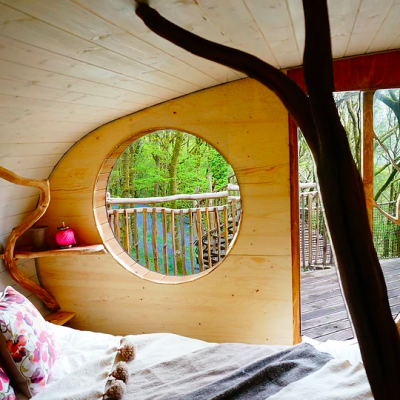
<point x="323" y="311"/>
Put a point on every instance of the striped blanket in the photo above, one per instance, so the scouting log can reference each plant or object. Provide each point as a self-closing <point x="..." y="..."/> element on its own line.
<point x="172" y="367"/>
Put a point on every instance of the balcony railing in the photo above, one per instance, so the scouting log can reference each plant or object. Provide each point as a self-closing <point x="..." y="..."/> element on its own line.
<point x="177" y="241"/>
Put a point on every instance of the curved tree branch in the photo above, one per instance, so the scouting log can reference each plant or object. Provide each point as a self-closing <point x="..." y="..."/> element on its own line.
<point x="396" y="219"/>
<point x="362" y="278"/>
<point x="12" y="269"/>
<point x="317" y="117"/>
<point x="291" y="95"/>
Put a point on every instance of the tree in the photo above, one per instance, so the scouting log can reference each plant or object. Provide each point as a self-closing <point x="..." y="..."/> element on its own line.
<point x="317" y="117"/>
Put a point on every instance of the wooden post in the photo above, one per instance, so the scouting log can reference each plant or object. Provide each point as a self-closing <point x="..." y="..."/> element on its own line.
<point x="116" y="225"/>
<point x="208" y="238"/>
<point x="200" y="238"/>
<point x="303" y="236"/>
<point x="173" y="242"/>
<point x="191" y="240"/>
<point x="310" y="230"/>
<point x="108" y="207"/>
<point x="367" y="151"/>
<point x="218" y="233"/>
<point x="135" y="234"/>
<point x="127" y="238"/>
<point x="210" y="204"/>
<point x="226" y="233"/>
<point x="234" y="216"/>
<point x="146" y="252"/>
<point x="165" y="253"/>
<point x="325" y="242"/>
<point x="317" y="227"/>
<point x="154" y="238"/>
<point x="183" y="253"/>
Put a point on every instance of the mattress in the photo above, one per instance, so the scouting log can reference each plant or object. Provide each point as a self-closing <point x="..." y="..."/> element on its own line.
<point x="90" y="355"/>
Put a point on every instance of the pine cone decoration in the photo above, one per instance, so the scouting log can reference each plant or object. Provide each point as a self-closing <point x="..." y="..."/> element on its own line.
<point x="121" y="372"/>
<point x="128" y="351"/>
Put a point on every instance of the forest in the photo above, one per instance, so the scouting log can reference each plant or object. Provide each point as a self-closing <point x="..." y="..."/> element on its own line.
<point x="168" y="162"/>
<point x="386" y="117"/>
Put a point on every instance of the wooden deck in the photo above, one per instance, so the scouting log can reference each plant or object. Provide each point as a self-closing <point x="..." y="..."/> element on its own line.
<point x="323" y="313"/>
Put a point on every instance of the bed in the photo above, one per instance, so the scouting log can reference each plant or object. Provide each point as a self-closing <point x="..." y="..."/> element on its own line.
<point x="44" y="361"/>
<point x="169" y="366"/>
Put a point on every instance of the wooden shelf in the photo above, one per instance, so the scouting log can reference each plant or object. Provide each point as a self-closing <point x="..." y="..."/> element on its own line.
<point x="56" y="252"/>
<point x="60" y="317"/>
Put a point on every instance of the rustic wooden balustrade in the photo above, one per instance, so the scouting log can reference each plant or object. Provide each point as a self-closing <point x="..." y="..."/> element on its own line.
<point x="315" y="247"/>
<point x="211" y="229"/>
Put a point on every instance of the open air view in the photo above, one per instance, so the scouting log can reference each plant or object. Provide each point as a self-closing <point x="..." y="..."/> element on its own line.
<point x="324" y="314"/>
<point x="174" y="203"/>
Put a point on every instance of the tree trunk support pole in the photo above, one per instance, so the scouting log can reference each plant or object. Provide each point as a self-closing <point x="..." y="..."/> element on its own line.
<point x="317" y="117"/>
<point x="367" y="151"/>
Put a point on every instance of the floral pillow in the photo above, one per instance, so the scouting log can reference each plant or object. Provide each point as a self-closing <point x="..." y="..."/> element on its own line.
<point x="6" y="391"/>
<point x="27" y="345"/>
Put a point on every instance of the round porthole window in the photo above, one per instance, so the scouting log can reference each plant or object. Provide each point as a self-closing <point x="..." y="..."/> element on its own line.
<point x="173" y="203"/>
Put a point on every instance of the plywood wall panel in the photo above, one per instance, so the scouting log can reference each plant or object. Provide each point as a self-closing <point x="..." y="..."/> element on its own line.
<point x="23" y="149"/>
<point x="389" y="31"/>
<point x="239" y="25"/>
<point x="240" y="299"/>
<point x="371" y="15"/>
<point x="123" y="15"/>
<point x="80" y="22"/>
<point x="200" y="309"/>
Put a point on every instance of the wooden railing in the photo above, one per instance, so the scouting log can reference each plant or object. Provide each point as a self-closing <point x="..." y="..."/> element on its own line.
<point x="315" y="247"/>
<point x="177" y="241"/>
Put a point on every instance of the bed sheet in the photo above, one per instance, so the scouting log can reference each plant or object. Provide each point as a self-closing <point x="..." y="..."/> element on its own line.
<point x="83" y="347"/>
<point x="77" y="348"/>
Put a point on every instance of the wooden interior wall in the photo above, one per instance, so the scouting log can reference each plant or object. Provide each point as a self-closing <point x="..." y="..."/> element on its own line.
<point x="28" y="268"/>
<point x="248" y="298"/>
<point x="16" y="203"/>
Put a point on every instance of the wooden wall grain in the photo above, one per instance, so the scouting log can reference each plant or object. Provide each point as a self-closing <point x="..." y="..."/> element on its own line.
<point x="28" y="268"/>
<point x="248" y="298"/>
<point x="16" y="203"/>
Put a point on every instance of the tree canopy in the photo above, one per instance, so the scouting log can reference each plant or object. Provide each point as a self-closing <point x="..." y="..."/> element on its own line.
<point x="168" y="162"/>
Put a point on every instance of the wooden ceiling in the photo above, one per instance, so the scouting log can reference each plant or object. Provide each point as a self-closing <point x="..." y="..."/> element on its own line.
<point x="68" y="66"/>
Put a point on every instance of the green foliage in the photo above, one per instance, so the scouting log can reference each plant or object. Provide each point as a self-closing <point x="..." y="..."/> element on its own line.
<point x="167" y="162"/>
<point x="386" y="109"/>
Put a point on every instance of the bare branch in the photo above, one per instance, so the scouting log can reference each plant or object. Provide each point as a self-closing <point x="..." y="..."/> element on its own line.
<point x="395" y="166"/>
<point x="317" y="116"/>
<point x="294" y="99"/>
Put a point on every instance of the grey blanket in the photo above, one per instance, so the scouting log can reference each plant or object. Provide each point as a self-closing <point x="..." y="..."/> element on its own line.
<point x="172" y="367"/>
<point x="226" y="371"/>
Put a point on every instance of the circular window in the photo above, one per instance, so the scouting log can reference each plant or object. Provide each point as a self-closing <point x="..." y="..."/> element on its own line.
<point x="173" y="203"/>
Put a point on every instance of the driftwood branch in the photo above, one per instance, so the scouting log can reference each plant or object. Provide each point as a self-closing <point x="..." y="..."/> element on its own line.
<point x="363" y="283"/>
<point x="8" y="256"/>
<point x="362" y="278"/>
<point x="386" y="150"/>
<point x="291" y="95"/>
<point x="396" y="219"/>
